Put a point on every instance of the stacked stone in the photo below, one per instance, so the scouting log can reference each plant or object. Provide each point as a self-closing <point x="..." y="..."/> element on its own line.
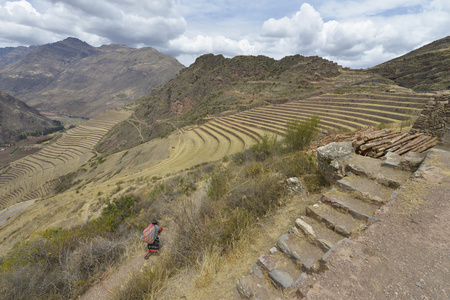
<point x="435" y="116"/>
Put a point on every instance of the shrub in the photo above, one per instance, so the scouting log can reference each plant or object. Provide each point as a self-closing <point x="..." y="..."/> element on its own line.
<point x="242" y="157"/>
<point x="297" y="164"/>
<point x="265" y="148"/>
<point x="315" y="182"/>
<point x="218" y="185"/>
<point x="258" y="195"/>
<point x="56" y="263"/>
<point x="300" y="134"/>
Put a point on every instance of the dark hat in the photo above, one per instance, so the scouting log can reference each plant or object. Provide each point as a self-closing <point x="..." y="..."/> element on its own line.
<point x="155" y="222"/>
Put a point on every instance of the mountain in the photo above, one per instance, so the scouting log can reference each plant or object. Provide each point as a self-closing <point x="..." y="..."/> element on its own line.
<point x="74" y="78"/>
<point x="10" y="55"/>
<point x="17" y="117"/>
<point x="424" y="69"/>
<point x="215" y="85"/>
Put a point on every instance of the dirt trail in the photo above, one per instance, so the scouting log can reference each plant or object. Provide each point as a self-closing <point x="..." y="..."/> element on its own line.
<point x="6" y="213"/>
<point x="405" y="255"/>
<point x="105" y="287"/>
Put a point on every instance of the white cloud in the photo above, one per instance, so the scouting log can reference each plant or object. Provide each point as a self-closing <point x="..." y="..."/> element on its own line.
<point x="131" y="22"/>
<point x="353" y="33"/>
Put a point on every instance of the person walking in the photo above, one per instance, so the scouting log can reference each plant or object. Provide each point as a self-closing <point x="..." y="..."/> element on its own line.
<point x="151" y="237"/>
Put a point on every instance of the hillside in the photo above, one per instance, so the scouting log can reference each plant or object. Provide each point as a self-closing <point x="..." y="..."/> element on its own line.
<point x="10" y="55"/>
<point x="71" y="77"/>
<point x="17" y="117"/>
<point x="215" y="85"/>
<point x="424" y="69"/>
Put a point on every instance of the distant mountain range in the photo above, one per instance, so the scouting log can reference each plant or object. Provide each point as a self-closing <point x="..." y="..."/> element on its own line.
<point x="74" y="78"/>
<point x="16" y="118"/>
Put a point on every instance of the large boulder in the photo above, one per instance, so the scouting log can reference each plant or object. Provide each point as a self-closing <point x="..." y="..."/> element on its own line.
<point x="333" y="158"/>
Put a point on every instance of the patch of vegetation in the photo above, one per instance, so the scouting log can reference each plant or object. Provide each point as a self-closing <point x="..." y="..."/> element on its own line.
<point x="207" y="226"/>
<point x="300" y="134"/>
<point x="61" y="263"/>
<point x="66" y="182"/>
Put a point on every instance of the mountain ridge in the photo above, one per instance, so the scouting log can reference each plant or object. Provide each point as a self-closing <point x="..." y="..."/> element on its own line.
<point x="17" y="117"/>
<point x="423" y="69"/>
<point x="74" y="78"/>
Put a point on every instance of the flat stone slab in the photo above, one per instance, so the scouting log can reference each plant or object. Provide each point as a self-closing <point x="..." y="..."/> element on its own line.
<point x="282" y="245"/>
<point x="281" y="279"/>
<point x="359" y="209"/>
<point x="325" y="237"/>
<point x="306" y="228"/>
<point x="302" y="248"/>
<point x="373" y="168"/>
<point x="253" y="287"/>
<point x="367" y="188"/>
<point x="267" y="262"/>
<point x="342" y="223"/>
<point x="409" y="162"/>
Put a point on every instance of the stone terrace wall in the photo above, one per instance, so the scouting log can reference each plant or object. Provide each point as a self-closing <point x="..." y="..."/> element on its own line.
<point x="435" y="116"/>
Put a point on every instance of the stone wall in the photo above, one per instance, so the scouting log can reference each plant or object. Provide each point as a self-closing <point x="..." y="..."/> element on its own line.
<point x="435" y="116"/>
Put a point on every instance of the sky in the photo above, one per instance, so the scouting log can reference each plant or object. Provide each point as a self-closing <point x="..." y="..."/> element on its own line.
<point x="355" y="34"/>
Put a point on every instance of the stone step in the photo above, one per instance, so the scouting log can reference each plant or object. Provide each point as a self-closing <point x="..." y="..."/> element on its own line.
<point x="365" y="188"/>
<point x="300" y="249"/>
<point x="359" y="209"/>
<point x="323" y="237"/>
<point x="342" y="223"/>
<point x="282" y="271"/>
<point x="373" y="168"/>
<point x="256" y="286"/>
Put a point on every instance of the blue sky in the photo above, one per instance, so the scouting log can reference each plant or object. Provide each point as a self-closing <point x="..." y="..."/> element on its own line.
<point x="355" y="34"/>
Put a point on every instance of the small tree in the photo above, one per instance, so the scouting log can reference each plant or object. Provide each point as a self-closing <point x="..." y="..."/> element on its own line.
<point x="300" y="134"/>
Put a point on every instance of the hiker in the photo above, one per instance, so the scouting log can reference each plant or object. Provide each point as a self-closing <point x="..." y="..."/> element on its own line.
<point x="151" y="237"/>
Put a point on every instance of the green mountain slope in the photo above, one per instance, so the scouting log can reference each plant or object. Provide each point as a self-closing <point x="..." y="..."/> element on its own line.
<point x="74" y="78"/>
<point x="16" y="117"/>
<point x="424" y="69"/>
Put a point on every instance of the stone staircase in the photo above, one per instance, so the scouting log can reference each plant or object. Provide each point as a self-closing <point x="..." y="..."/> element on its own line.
<point x="345" y="210"/>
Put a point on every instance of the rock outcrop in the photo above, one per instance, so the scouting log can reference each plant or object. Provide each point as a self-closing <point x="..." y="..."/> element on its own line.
<point x="332" y="160"/>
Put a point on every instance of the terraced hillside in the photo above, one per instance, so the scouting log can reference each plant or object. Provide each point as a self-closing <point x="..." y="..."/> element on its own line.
<point x="336" y="112"/>
<point x="35" y="175"/>
<point x="222" y="136"/>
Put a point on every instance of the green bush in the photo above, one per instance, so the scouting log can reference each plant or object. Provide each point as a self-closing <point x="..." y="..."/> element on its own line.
<point x="218" y="185"/>
<point x="300" y="134"/>
<point x="265" y="148"/>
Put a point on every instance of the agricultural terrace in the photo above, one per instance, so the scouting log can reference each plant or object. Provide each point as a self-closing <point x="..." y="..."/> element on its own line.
<point x="36" y="175"/>
<point x="230" y="134"/>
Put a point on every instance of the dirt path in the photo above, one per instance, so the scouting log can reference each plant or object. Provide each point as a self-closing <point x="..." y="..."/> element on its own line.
<point x="113" y="278"/>
<point x="6" y="213"/>
<point x="403" y="256"/>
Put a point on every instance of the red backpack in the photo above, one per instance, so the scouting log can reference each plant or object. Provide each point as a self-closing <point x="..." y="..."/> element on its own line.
<point x="149" y="234"/>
